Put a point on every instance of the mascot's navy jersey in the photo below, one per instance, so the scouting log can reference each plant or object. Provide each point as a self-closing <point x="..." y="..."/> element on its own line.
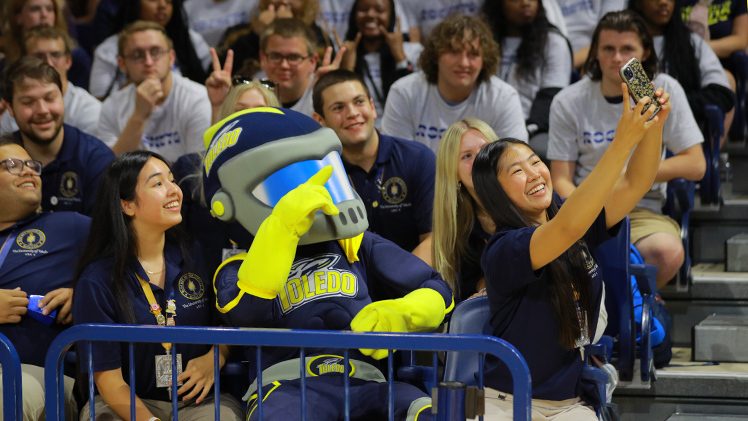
<point x="325" y="292"/>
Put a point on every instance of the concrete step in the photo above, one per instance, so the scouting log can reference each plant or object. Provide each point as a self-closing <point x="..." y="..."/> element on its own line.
<point x="684" y="378"/>
<point x="711" y="282"/>
<point x="721" y="338"/>
<point x="711" y="226"/>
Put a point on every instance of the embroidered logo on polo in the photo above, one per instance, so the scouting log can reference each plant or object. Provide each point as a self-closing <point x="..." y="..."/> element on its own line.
<point x="316" y="278"/>
<point x="394" y="190"/>
<point x="191" y="286"/>
<point x="328" y="364"/>
<point x="589" y="262"/>
<point x="69" y="184"/>
<point x="31" y="239"/>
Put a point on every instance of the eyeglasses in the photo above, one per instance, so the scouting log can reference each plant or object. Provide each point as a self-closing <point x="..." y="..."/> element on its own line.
<point x="238" y="80"/>
<point x="15" y="165"/>
<point x="293" y="59"/>
<point x="54" y="55"/>
<point x="140" y="55"/>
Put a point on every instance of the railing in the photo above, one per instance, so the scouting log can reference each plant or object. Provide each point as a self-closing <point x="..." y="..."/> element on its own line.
<point x="11" y="365"/>
<point x="276" y="338"/>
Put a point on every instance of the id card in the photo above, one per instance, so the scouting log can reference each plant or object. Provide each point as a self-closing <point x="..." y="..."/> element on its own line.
<point x="163" y="369"/>
<point x="584" y="337"/>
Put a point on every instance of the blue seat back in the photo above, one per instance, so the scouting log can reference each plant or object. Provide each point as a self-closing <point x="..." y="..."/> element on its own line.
<point x="469" y="317"/>
<point x="613" y="256"/>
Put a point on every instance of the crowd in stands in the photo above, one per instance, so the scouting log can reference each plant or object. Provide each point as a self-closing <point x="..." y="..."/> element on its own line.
<point x="490" y="139"/>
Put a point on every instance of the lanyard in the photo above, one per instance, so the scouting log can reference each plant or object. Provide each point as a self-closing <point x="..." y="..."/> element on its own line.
<point x="155" y="309"/>
<point x="7" y="245"/>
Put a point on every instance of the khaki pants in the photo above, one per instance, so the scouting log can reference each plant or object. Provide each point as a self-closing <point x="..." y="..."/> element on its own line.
<point x="188" y="411"/>
<point x="569" y="410"/>
<point x="32" y="386"/>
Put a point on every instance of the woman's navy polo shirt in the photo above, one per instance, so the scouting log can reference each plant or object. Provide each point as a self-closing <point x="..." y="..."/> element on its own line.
<point x="94" y="302"/>
<point x="42" y="258"/>
<point x="521" y="312"/>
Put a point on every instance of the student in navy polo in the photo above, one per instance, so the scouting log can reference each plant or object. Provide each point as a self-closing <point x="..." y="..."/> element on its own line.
<point x="394" y="177"/>
<point x="542" y="282"/>
<point x="138" y="269"/>
<point x="73" y="161"/>
<point x="38" y="253"/>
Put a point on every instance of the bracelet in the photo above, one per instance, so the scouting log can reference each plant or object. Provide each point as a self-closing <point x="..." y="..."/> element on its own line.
<point x="154" y="419"/>
<point x="482" y="291"/>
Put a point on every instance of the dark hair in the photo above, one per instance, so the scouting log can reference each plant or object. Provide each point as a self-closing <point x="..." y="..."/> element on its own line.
<point x="9" y="139"/>
<point x="452" y="31"/>
<point x="531" y="50"/>
<point x="564" y="279"/>
<point x="621" y="21"/>
<point x="386" y="59"/>
<point x="678" y="53"/>
<point x="177" y="30"/>
<point x="333" y="78"/>
<point x="112" y="234"/>
<point x="27" y="67"/>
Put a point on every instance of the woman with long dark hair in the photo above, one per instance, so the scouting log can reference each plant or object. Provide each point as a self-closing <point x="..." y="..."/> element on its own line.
<point x="193" y="53"/>
<point x="542" y="282"/>
<point x="137" y="268"/>
<point x="376" y="50"/>
<point x="686" y="57"/>
<point x="535" y="58"/>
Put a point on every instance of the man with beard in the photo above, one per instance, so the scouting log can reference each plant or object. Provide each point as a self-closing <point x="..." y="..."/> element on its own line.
<point x="72" y="160"/>
<point x="159" y="111"/>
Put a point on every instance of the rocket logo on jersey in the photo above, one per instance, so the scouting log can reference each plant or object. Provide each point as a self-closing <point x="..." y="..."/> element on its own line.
<point x="316" y="278"/>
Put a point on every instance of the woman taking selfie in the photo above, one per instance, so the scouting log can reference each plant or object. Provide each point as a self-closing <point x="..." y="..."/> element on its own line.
<point x="542" y="282"/>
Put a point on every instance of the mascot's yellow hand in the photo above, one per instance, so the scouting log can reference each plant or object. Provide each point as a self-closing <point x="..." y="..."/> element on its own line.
<point x="265" y="270"/>
<point x="297" y="208"/>
<point x="421" y="310"/>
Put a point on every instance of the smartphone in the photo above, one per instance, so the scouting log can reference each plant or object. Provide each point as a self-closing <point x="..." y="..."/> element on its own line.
<point x="639" y="84"/>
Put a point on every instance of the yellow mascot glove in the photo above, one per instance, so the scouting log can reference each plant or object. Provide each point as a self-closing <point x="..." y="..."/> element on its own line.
<point x="421" y="310"/>
<point x="267" y="265"/>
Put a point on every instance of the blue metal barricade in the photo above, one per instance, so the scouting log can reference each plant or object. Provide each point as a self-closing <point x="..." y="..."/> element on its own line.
<point x="12" y="396"/>
<point x="278" y="338"/>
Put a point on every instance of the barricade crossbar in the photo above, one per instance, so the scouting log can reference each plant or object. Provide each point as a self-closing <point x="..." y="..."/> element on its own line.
<point x="280" y="338"/>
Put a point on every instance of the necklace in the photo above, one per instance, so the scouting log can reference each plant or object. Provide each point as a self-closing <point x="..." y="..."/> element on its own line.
<point x="153" y="273"/>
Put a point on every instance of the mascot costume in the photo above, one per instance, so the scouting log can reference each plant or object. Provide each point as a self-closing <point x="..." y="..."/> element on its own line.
<point x="275" y="177"/>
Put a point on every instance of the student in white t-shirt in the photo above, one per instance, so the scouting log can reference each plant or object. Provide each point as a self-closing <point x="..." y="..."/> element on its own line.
<point x="423" y="16"/>
<point x="535" y="59"/>
<point x="211" y="18"/>
<point x="53" y="46"/>
<point x="159" y="111"/>
<point x="192" y="52"/>
<point x="581" y="17"/>
<point x="583" y="123"/>
<point x="458" y="80"/>
<point x="335" y="16"/>
<point x="376" y="50"/>
<point x="688" y="58"/>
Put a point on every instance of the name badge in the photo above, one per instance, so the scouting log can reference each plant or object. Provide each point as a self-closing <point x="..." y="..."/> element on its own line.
<point x="163" y="369"/>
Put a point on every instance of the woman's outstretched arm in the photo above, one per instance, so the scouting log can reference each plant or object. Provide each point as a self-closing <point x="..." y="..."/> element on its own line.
<point x="642" y="168"/>
<point x="573" y="220"/>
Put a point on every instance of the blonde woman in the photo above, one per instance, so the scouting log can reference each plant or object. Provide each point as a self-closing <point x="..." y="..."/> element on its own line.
<point x="461" y="225"/>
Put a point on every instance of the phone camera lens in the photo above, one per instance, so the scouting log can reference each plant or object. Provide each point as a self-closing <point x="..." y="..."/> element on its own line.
<point x="629" y="73"/>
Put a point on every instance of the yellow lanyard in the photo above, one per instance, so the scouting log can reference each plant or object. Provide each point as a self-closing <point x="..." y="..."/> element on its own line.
<point x="154" y="308"/>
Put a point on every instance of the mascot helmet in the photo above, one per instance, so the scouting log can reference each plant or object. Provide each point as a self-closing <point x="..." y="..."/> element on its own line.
<point x="256" y="156"/>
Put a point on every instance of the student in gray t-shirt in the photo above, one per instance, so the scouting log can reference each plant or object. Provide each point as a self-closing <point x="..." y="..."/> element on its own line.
<point x="583" y="122"/>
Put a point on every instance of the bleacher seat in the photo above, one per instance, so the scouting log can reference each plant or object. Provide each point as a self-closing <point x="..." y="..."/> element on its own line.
<point x="738" y="65"/>
<point x="614" y="258"/>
